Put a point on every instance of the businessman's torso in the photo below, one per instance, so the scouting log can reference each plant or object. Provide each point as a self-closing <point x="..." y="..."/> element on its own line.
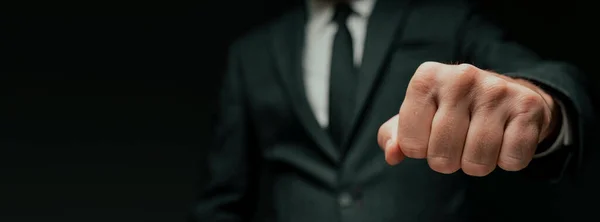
<point x="304" y="177"/>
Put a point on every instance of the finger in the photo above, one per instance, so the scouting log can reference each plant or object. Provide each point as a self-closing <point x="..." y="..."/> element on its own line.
<point x="484" y="140"/>
<point x="417" y="111"/>
<point x="521" y="138"/>
<point x="386" y="138"/>
<point x="518" y="148"/>
<point x="488" y="119"/>
<point x="448" y="134"/>
<point x="451" y="121"/>
<point x="387" y="132"/>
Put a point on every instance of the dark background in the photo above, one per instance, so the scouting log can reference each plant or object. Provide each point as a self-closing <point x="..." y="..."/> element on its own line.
<point x="111" y="113"/>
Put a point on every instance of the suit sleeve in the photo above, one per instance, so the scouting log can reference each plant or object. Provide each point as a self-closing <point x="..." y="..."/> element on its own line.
<point x="485" y="46"/>
<point x="225" y="197"/>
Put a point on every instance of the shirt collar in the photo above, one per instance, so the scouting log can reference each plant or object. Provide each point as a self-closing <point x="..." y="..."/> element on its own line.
<point x="363" y="8"/>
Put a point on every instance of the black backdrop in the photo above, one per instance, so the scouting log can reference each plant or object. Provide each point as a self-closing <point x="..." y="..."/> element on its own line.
<point x="111" y="110"/>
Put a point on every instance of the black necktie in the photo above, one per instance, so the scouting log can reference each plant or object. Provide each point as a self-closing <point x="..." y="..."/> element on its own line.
<point x="343" y="78"/>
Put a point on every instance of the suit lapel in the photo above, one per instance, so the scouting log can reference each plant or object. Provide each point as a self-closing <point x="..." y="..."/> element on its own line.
<point x="383" y="28"/>
<point x="288" y="47"/>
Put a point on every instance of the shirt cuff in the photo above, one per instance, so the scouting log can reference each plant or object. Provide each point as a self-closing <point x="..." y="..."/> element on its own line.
<point x="564" y="137"/>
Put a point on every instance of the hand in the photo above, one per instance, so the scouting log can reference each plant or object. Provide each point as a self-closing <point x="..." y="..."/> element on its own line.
<point x="462" y="117"/>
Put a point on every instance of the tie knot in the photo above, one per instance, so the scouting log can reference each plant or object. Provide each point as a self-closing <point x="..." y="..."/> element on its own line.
<point x="342" y="11"/>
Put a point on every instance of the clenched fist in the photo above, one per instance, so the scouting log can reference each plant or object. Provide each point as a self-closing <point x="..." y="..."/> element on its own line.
<point x="462" y="117"/>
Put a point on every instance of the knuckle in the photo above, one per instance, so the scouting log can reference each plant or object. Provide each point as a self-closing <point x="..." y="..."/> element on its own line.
<point x="495" y="88"/>
<point x="493" y="91"/>
<point x="513" y="159"/>
<point x="413" y="152"/>
<point x="424" y="79"/>
<point x="428" y="67"/>
<point x="443" y="164"/>
<point x="511" y="163"/>
<point x="529" y="103"/>
<point x="467" y="70"/>
<point x="413" y="148"/>
<point x="422" y="84"/>
<point x="473" y="168"/>
<point x="463" y="85"/>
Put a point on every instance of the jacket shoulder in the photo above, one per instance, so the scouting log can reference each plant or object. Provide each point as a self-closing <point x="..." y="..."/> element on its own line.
<point x="262" y="36"/>
<point x="443" y="10"/>
<point x="436" y="20"/>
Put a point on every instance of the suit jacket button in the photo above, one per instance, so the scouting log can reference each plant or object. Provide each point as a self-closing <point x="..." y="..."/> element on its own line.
<point x="345" y="200"/>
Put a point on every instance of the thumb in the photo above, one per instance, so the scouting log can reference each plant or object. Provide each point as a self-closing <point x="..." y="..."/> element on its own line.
<point x="386" y="138"/>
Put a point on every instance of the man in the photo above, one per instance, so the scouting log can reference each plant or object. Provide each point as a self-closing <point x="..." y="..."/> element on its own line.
<point x="308" y="98"/>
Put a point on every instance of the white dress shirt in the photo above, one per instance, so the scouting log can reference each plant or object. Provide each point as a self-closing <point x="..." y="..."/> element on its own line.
<point x="320" y="32"/>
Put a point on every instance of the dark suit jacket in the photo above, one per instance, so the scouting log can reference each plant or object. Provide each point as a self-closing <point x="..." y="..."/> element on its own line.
<point x="272" y="161"/>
